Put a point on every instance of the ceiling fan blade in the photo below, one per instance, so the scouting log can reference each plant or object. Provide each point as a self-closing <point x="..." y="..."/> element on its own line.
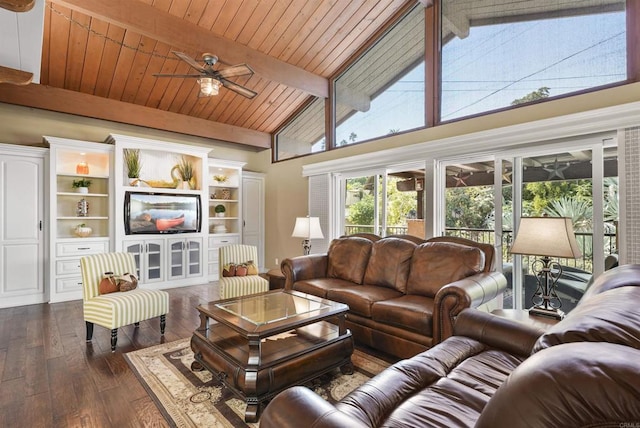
<point x="192" y="62"/>
<point x="238" y="89"/>
<point x="234" y="70"/>
<point x="177" y="75"/>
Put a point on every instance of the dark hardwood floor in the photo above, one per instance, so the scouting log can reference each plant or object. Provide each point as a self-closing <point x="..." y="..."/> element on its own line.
<point x="51" y="377"/>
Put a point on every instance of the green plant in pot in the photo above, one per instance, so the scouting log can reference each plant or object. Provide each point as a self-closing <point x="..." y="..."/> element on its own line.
<point x="220" y="210"/>
<point x="81" y="185"/>
<point x="132" y="161"/>
<point x="185" y="172"/>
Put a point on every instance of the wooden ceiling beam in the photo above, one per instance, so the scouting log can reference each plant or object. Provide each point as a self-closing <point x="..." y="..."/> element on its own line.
<point x="77" y="103"/>
<point x="149" y="21"/>
<point x="17" y="5"/>
<point x="15" y="77"/>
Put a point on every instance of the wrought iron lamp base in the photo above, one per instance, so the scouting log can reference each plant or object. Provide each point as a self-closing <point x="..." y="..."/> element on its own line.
<point x="552" y="313"/>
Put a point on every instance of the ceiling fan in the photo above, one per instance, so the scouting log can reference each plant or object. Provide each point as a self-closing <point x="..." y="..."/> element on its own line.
<point x="210" y="79"/>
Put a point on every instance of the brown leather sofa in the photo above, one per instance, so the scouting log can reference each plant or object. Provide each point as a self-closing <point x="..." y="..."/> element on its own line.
<point x="496" y="372"/>
<point x="403" y="295"/>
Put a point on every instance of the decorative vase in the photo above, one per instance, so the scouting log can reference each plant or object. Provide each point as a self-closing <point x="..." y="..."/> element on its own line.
<point x="83" y="190"/>
<point x="134" y="181"/>
<point x="82" y="210"/>
<point x="219" y="214"/>
<point x="83" y="231"/>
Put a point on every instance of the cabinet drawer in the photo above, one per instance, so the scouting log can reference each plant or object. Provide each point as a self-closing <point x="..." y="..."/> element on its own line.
<point x="81" y="248"/>
<point x="65" y="285"/>
<point x="68" y="267"/>
<point x="221" y="241"/>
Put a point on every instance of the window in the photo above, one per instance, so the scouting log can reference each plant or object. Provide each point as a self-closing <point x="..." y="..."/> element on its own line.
<point x="507" y="53"/>
<point x="383" y="91"/>
<point x="580" y="183"/>
<point x="304" y="134"/>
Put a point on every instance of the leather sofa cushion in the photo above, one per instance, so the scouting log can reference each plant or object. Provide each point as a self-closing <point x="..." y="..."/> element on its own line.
<point x="611" y="316"/>
<point x="361" y="298"/>
<point x="320" y="286"/>
<point x="389" y="263"/>
<point x="436" y="264"/>
<point x="348" y="258"/>
<point x="572" y="385"/>
<point x="444" y="386"/>
<point x="411" y="312"/>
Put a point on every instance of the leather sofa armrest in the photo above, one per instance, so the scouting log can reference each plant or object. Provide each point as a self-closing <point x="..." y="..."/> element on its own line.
<point x="300" y="407"/>
<point x="506" y="334"/>
<point x="303" y="267"/>
<point x="469" y="292"/>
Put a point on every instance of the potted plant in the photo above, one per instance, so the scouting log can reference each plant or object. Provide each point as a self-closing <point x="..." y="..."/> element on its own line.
<point x="133" y="164"/>
<point x="220" y="210"/>
<point x="186" y="174"/>
<point x="221" y="178"/>
<point x="82" y="185"/>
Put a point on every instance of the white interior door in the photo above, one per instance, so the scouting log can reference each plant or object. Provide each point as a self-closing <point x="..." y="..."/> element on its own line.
<point x="21" y="236"/>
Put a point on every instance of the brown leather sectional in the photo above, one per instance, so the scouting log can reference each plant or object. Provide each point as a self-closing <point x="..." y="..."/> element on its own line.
<point x="403" y="294"/>
<point x="495" y="372"/>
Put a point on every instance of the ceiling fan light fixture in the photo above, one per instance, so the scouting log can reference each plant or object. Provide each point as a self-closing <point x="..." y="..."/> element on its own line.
<point x="208" y="86"/>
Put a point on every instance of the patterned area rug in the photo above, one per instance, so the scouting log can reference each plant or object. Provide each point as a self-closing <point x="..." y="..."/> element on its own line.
<point x="195" y="399"/>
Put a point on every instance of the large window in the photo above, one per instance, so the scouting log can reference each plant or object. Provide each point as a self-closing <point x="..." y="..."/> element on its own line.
<point x="580" y="183"/>
<point x="492" y="55"/>
<point x="383" y="92"/>
<point x="390" y="203"/>
<point x="304" y="134"/>
<point x="505" y="53"/>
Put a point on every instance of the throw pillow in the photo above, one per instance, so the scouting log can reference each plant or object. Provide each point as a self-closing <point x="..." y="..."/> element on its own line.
<point x="229" y="270"/>
<point x="252" y="269"/>
<point x="241" y="270"/>
<point x="108" y="284"/>
<point x="127" y="282"/>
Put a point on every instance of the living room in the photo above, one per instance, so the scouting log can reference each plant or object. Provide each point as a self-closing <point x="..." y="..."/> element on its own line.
<point x="288" y="195"/>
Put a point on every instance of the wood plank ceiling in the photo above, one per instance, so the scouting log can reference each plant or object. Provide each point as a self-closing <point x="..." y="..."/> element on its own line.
<point x="98" y="55"/>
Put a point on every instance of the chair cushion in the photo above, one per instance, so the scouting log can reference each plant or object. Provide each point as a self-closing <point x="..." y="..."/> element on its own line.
<point x="436" y="264"/>
<point x="115" y="310"/>
<point x="410" y="312"/>
<point x="389" y="263"/>
<point x="348" y="258"/>
<point x="236" y="286"/>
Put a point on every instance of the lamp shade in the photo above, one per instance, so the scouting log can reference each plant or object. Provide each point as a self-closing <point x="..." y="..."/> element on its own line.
<point x="307" y="228"/>
<point x="546" y="236"/>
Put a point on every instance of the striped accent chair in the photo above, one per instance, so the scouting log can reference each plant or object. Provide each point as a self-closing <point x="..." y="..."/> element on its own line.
<point x="235" y="286"/>
<point x="117" y="309"/>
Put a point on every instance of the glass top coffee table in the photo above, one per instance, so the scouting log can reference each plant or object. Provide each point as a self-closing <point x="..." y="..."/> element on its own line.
<point x="260" y="344"/>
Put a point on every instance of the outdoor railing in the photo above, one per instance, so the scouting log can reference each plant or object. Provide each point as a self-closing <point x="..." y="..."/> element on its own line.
<point x="584" y="239"/>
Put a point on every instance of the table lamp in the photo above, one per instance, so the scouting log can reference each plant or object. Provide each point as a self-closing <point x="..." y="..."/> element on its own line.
<point x="546" y="237"/>
<point x="307" y="228"/>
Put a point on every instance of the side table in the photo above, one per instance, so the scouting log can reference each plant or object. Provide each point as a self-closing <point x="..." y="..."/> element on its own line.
<point x="523" y="316"/>
<point x="276" y="278"/>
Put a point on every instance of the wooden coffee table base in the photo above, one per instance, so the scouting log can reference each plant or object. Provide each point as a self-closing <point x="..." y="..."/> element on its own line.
<point x="256" y="370"/>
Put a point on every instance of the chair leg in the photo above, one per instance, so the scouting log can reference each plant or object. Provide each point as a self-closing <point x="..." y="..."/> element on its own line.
<point x="136" y="324"/>
<point x="89" y="330"/>
<point x="114" y="339"/>
<point x="163" y="322"/>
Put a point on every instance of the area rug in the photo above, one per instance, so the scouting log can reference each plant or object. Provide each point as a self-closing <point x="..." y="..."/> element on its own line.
<point x="196" y="399"/>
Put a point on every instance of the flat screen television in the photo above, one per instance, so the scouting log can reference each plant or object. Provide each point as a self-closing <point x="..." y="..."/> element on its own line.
<point x="148" y="213"/>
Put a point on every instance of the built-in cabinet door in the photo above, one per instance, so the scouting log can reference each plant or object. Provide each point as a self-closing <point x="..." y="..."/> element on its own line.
<point x="185" y="257"/>
<point x="253" y="213"/>
<point x="21" y="234"/>
<point x="149" y="258"/>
